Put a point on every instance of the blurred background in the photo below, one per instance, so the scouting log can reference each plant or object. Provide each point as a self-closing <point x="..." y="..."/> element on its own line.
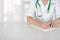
<point x="13" y="26"/>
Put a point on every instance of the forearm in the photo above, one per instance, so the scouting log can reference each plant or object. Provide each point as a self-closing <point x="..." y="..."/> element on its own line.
<point x="57" y="20"/>
<point x="33" y="21"/>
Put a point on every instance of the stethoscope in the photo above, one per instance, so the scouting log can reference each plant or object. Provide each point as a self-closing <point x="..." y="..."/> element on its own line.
<point x="38" y="5"/>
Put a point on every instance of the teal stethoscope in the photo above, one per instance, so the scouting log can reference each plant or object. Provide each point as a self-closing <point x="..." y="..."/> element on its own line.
<point x="38" y="5"/>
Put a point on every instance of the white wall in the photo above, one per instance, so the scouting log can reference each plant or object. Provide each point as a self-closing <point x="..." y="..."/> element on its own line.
<point x="12" y="11"/>
<point x="1" y="11"/>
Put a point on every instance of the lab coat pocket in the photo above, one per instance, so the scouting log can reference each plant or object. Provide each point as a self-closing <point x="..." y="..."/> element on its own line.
<point x="39" y="13"/>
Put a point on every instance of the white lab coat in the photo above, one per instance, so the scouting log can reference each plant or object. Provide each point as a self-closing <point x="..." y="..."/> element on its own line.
<point x="44" y="16"/>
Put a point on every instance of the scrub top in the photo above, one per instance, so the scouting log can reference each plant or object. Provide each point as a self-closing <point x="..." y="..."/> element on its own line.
<point x="41" y="14"/>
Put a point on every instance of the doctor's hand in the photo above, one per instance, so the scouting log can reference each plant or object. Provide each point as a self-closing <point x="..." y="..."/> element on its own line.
<point x="45" y="25"/>
<point x="53" y="24"/>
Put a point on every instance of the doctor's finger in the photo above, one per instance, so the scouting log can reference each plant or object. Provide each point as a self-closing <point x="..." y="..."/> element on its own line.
<point x="55" y="25"/>
<point x="52" y="24"/>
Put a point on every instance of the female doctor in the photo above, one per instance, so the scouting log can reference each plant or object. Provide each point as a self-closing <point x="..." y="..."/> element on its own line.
<point x="44" y="13"/>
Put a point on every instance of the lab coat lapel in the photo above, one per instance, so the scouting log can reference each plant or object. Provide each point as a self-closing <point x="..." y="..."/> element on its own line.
<point x="43" y="8"/>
